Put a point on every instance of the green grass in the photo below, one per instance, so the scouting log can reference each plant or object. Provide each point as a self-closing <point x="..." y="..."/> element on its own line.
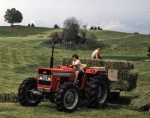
<point x="21" y="56"/>
<point x="48" y="110"/>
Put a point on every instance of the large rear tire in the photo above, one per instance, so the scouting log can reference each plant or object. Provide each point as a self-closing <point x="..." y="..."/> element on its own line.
<point x="67" y="98"/>
<point x="96" y="94"/>
<point x="25" y="97"/>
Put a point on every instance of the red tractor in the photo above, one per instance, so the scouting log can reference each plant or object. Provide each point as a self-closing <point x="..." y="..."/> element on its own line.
<point x="57" y="85"/>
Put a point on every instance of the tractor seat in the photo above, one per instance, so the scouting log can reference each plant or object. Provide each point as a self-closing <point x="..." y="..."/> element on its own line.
<point x="84" y="66"/>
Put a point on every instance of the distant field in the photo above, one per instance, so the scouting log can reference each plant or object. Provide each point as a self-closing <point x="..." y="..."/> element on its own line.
<point x="23" y="50"/>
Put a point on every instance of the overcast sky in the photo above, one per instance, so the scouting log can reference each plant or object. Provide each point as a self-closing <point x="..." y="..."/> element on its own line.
<point x="116" y="15"/>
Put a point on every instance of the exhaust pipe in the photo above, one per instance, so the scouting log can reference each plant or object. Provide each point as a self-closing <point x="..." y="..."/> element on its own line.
<point x="51" y="61"/>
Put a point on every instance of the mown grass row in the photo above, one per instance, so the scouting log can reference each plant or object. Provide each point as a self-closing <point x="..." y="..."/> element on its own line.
<point x="20" y="58"/>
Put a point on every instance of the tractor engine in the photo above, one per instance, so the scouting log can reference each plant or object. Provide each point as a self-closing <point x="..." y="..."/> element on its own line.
<point x="49" y="79"/>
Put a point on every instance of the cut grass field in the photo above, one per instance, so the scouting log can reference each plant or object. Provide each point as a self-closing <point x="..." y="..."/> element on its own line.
<point x="21" y="56"/>
<point x="48" y="110"/>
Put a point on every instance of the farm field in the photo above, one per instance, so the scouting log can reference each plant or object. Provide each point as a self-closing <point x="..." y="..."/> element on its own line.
<point x="23" y="50"/>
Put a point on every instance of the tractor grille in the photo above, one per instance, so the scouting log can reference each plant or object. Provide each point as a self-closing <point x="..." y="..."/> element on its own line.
<point x="44" y="77"/>
<point x="42" y="82"/>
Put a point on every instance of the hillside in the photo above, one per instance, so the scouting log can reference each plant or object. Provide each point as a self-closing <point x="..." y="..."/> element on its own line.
<point x="21" y="31"/>
<point x="23" y="50"/>
<point x="21" y="56"/>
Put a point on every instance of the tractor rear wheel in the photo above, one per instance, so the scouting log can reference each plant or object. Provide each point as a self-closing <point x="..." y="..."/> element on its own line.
<point x="27" y="98"/>
<point x="67" y="98"/>
<point x="97" y="92"/>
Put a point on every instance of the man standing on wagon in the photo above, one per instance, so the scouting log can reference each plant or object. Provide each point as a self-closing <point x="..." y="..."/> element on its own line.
<point x="95" y="54"/>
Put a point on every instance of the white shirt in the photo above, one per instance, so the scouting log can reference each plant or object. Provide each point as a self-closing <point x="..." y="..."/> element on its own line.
<point x="78" y="65"/>
<point x="94" y="54"/>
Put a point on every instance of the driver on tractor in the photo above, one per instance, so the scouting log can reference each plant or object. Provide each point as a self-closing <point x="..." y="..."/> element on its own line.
<point x="76" y="64"/>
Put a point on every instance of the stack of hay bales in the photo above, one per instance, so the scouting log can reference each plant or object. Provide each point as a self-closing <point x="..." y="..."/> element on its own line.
<point x="8" y="97"/>
<point x="142" y="103"/>
<point x="126" y="76"/>
<point x="126" y="80"/>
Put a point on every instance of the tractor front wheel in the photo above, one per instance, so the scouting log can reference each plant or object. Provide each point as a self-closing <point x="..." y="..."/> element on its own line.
<point x="25" y="96"/>
<point x="67" y="98"/>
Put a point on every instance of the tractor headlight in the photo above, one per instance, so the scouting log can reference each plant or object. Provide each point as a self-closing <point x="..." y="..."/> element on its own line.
<point x="40" y="77"/>
<point x="45" y="77"/>
<point x="48" y="78"/>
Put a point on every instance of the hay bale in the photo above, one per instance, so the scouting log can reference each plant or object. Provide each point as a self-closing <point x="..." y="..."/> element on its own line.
<point x="8" y="97"/>
<point x="121" y="85"/>
<point x="126" y="81"/>
<point x="112" y="64"/>
<point x="129" y="75"/>
<point x="141" y="103"/>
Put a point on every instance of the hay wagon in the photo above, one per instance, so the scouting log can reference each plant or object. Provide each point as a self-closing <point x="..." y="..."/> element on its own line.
<point x="121" y="74"/>
<point x="100" y="78"/>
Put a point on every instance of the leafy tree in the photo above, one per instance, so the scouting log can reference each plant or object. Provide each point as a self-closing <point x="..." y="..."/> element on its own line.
<point x="13" y="16"/>
<point x="56" y="26"/>
<point x="29" y="25"/>
<point x="56" y="37"/>
<point x="99" y="28"/>
<point x="32" y="25"/>
<point x="91" y="28"/>
<point x="71" y="29"/>
<point x="95" y="28"/>
<point x="83" y="31"/>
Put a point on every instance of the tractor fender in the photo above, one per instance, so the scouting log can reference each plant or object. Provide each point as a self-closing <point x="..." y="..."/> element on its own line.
<point x="95" y="70"/>
<point x="56" y="85"/>
<point x="59" y="81"/>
